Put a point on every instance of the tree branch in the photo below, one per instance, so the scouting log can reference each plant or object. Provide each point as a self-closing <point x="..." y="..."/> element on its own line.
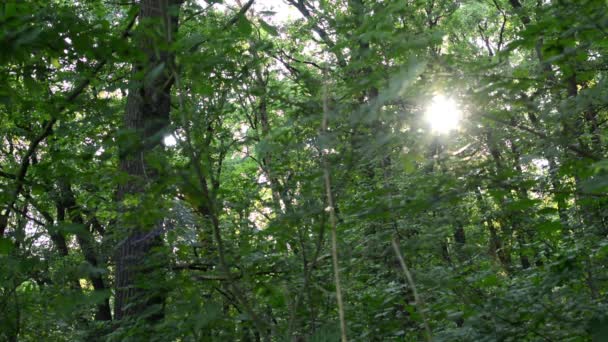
<point x="46" y="132"/>
<point x="574" y="148"/>
<point x="235" y="18"/>
<point x="301" y="6"/>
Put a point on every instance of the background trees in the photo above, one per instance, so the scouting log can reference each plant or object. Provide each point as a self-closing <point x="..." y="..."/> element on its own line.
<point x="170" y="183"/>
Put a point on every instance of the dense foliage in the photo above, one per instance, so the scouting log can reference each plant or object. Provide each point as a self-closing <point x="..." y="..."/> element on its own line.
<point x="215" y="171"/>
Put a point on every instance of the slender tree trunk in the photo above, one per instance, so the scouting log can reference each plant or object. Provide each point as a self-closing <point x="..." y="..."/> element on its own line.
<point x="57" y="237"/>
<point x="87" y="246"/>
<point x="59" y="240"/>
<point x="513" y="220"/>
<point x="497" y="249"/>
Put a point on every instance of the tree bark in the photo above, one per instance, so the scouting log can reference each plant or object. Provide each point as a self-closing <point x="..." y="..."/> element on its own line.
<point x="146" y="117"/>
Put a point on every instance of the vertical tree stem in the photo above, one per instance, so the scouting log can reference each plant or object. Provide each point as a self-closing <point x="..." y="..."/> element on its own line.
<point x="332" y="220"/>
<point x="410" y="281"/>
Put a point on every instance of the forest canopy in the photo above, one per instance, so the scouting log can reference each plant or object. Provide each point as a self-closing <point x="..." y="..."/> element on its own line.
<point x="303" y="170"/>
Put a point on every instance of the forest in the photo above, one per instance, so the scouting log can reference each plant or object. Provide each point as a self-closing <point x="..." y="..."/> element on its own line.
<point x="303" y="170"/>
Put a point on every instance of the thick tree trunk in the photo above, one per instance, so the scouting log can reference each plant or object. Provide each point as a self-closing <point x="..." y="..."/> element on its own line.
<point x="146" y="116"/>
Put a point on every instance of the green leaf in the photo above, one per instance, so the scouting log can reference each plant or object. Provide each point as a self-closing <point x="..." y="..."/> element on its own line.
<point x="243" y="26"/>
<point x="269" y="28"/>
<point x="28" y="37"/>
<point x="410" y="162"/>
<point x="10" y="9"/>
<point x="6" y="246"/>
<point x="599" y="329"/>
<point x="71" y="228"/>
<point x="549" y="227"/>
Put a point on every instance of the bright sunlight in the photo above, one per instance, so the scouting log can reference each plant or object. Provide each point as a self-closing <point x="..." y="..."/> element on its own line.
<point x="443" y="114"/>
<point x="169" y="141"/>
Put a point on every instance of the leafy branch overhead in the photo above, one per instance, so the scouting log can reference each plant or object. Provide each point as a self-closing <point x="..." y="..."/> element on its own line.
<point x="296" y="170"/>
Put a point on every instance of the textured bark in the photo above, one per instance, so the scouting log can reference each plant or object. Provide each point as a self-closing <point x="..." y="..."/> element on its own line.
<point x="146" y="116"/>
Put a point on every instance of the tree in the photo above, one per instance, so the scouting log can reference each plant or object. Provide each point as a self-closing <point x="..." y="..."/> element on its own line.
<point x="146" y="118"/>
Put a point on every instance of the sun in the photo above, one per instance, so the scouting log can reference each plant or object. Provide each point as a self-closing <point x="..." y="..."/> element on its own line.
<point x="443" y="114"/>
<point x="169" y="140"/>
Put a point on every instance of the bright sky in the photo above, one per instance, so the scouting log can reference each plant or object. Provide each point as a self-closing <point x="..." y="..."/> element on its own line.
<point x="284" y="11"/>
<point x="442" y="114"/>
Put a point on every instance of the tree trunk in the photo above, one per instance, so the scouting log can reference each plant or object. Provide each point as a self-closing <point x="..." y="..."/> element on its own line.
<point x="496" y="246"/>
<point x="87" y="246"/>
<point x="146" y="117"/>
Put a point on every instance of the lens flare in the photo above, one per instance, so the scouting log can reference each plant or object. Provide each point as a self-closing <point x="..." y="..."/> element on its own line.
<point x="443" y="114"/>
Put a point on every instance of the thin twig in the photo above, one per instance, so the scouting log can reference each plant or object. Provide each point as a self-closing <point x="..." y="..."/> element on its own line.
<point x="410" y="281"/>
<point x="332" y="220"/>
<point x="208" y="211"/>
